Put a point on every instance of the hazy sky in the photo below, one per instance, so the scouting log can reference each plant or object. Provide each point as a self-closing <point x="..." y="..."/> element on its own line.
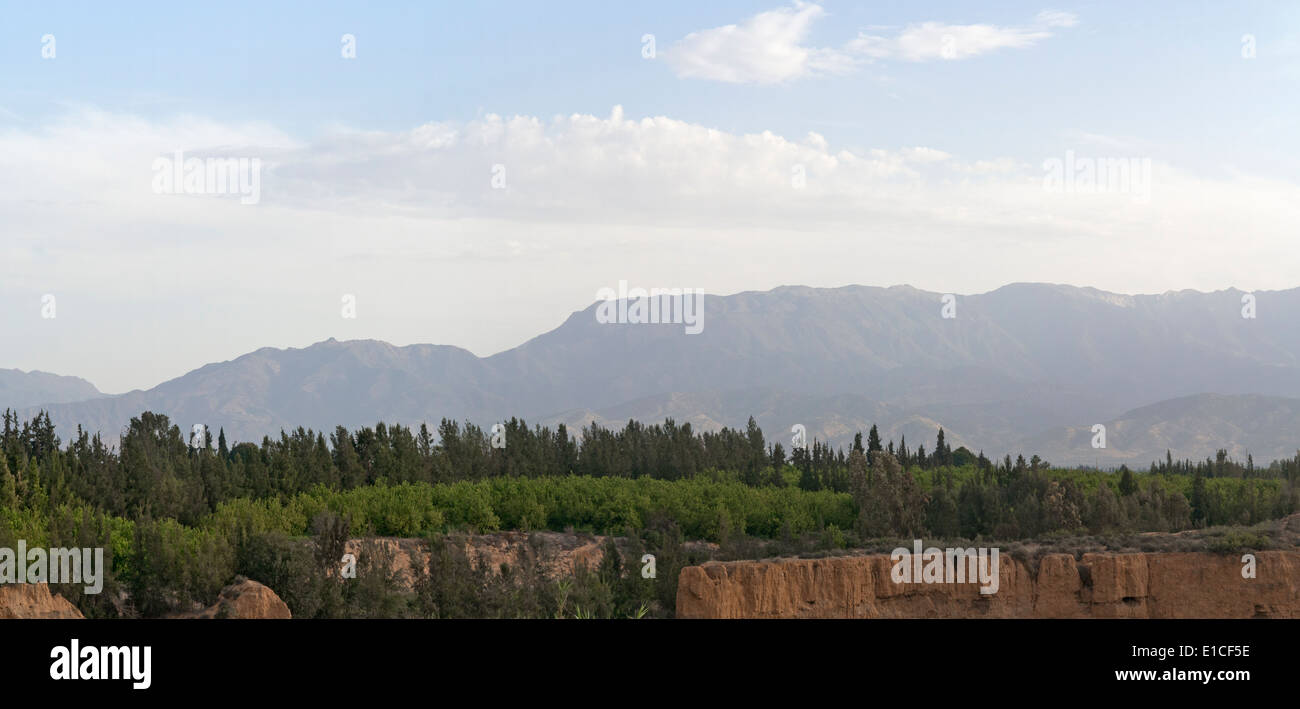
<point x="476" y="172"/>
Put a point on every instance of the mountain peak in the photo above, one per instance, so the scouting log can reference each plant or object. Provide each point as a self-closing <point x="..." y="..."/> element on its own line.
<point x="19" y="389"/>
<point x="1025" y="358"/>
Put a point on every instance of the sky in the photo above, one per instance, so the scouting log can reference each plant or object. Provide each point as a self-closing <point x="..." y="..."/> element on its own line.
<point x="471" y="174"/>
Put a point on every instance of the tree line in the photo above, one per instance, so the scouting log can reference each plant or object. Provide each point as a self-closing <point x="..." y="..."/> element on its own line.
<point x="157" y="473"/>
<point x="181" y="521"/>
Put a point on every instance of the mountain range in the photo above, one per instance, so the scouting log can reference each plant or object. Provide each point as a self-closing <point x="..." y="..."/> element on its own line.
<point x="1025" y="368"/>
<point x="19" y="389"/>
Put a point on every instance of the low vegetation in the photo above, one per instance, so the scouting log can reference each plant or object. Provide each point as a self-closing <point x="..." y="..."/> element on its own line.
<point x="180" y="521"/>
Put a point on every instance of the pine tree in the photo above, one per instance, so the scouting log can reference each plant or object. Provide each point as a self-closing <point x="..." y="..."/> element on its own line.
<point x="1198" y="500"/>
<point x="36" y="496"/>
<point x="873" y="442"/>
<point x="942" y="452"/>
<point x="778" y="456"/>
<point x="778" y="466"/>
<point x="807" y="478"/>
<point x="8" y="487"/>
<point x="755" y="460"/>
<point x="1127" y="485"/>
<point x="860" y="485"/>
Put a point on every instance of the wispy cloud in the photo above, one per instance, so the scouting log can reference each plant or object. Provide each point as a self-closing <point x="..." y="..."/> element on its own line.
<point x="561" y="171"/>
<point x="770" y="47"/>
<point x="928" y="41"/>
<point x="413" y="217"/>
<point x="765" y="49"/>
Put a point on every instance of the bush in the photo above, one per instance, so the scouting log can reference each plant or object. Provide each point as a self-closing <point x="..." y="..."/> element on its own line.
<point x="1237" y="540"/>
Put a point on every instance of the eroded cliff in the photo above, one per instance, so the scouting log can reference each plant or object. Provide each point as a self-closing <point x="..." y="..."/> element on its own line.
<point x="1097" y="585"/>
<point x="244" y="598"/>
<point x="34" y="600"/>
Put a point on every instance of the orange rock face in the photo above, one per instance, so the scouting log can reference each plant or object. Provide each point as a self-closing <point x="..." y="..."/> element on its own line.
<point x="246" y="599"/>
<point x="406" y="555"/>
<point x="34" y="600"/>
<point x="1098" y="585"/>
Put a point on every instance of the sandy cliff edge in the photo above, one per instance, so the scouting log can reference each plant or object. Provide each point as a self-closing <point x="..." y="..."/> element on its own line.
<point x="1097" y="585"/>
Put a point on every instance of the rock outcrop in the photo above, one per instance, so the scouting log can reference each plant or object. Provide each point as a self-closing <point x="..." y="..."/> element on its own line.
<point x="245" y="599"/>
<point x="563" y="552"/>
<point x="1097" y="585"/>
<point x="34" y="600"/>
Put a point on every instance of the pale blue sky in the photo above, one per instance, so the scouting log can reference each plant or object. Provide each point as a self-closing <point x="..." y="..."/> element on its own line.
<point x="1167" y="73"/>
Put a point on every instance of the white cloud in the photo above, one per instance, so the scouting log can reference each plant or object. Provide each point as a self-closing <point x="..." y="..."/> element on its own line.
<point x="769" y="48"/>
<point x="765" y="49"/>
<point x="1056" y="18"/>
<point x="409" y="221"/>
<point x="568" y="169"/>
<point x="936" y="40"/>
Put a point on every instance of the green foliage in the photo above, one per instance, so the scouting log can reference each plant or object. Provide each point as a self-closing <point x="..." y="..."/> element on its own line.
<point x="597" y="505"/>
<point x="176" y="568"/>
<point x="1238" y="540"/>
<point x="179" y="523"/>
<point x="1127" y="485"/>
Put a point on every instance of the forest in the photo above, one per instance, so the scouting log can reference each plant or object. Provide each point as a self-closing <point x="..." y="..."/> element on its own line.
<point x="181" y="518"/>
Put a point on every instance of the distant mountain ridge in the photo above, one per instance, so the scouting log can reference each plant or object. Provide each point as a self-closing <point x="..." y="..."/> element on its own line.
<point x="19" y="389"/>
<point x="1026" y="363"/>
<point x="1264" y="427"/>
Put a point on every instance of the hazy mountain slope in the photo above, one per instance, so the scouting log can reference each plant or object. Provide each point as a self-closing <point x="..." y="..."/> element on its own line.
<point x="836" y="418"/>
<point x="327" y="384"/>
<point x="20" y="389"/>
<point x="1146" y="348"/>
<point x="1017" y="361"/>
<point x="1122" y="351"/>
<point x="1266" y="427"/>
